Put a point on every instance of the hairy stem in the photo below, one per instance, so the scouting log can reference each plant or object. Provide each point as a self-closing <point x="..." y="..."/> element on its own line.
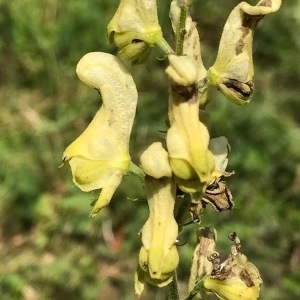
<point x="179" y="39"/>
<point x="172" y="289"/>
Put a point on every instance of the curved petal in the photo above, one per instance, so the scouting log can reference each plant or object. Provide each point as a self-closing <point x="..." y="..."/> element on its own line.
<point x="99" y="157"/>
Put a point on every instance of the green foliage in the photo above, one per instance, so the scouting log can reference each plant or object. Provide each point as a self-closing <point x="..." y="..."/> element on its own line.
<point x="49" y="248"/>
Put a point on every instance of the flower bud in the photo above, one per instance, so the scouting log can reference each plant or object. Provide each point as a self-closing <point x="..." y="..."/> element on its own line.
<point x="182" y="70"/>
<point x="155" y="161"/>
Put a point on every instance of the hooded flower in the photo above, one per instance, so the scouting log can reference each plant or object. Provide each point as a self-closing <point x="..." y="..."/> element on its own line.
<point x="187" y="138"/>
<point x="135" y="29"/>
<point x="99" y="157"/>
<point x="158" y="256"/>
<point x="233" y="71"/>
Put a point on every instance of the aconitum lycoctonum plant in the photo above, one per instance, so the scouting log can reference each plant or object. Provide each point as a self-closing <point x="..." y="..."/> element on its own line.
<point x="188" y="170"/>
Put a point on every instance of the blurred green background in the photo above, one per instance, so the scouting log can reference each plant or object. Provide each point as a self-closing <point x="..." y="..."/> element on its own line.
<point x="49" y="247"/>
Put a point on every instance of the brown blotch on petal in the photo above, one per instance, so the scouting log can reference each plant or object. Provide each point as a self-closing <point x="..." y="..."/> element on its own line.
<point x="267" y="3"/>
<point x="245" y="277"/>
<point x="242" y="89"/>
<point x="188" y="93"/>
<point x="249" y="24"/>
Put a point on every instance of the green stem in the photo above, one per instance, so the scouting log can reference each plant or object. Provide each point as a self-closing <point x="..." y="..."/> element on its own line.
<point x="172" y="289"/>
<point x="191" y="297"/>
<point x="179" y="39"/>
<point x="164" y="46"/>
<point x="198" y="293"/>
<point x="134" y="169"/>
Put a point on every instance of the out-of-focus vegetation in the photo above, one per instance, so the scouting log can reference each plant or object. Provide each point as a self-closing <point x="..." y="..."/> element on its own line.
<point x="49" y="248"/>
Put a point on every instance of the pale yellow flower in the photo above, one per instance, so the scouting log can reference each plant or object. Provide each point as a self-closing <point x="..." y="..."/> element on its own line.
<point x="233" y="69"/>
<point x="135" y="29"/>
<point x="160" y="230"/>
<point x="99" y="157"/>
<point x="158" y="257"/>
<point x="187" y="138"/>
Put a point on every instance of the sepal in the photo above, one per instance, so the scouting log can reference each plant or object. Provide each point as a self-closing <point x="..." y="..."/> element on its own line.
<point x="99" y="157"/>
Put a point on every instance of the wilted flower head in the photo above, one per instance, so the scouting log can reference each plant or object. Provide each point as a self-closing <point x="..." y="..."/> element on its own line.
<point x="135" y="29"/>
<point x="201" y="265"/>
<point x="99" y="157"/>
<point x="234" y="279"/>
<point x="233" y="70"/>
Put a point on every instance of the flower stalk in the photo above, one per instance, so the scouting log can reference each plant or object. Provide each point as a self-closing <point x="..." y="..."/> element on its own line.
<point x="185" y="173"/>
